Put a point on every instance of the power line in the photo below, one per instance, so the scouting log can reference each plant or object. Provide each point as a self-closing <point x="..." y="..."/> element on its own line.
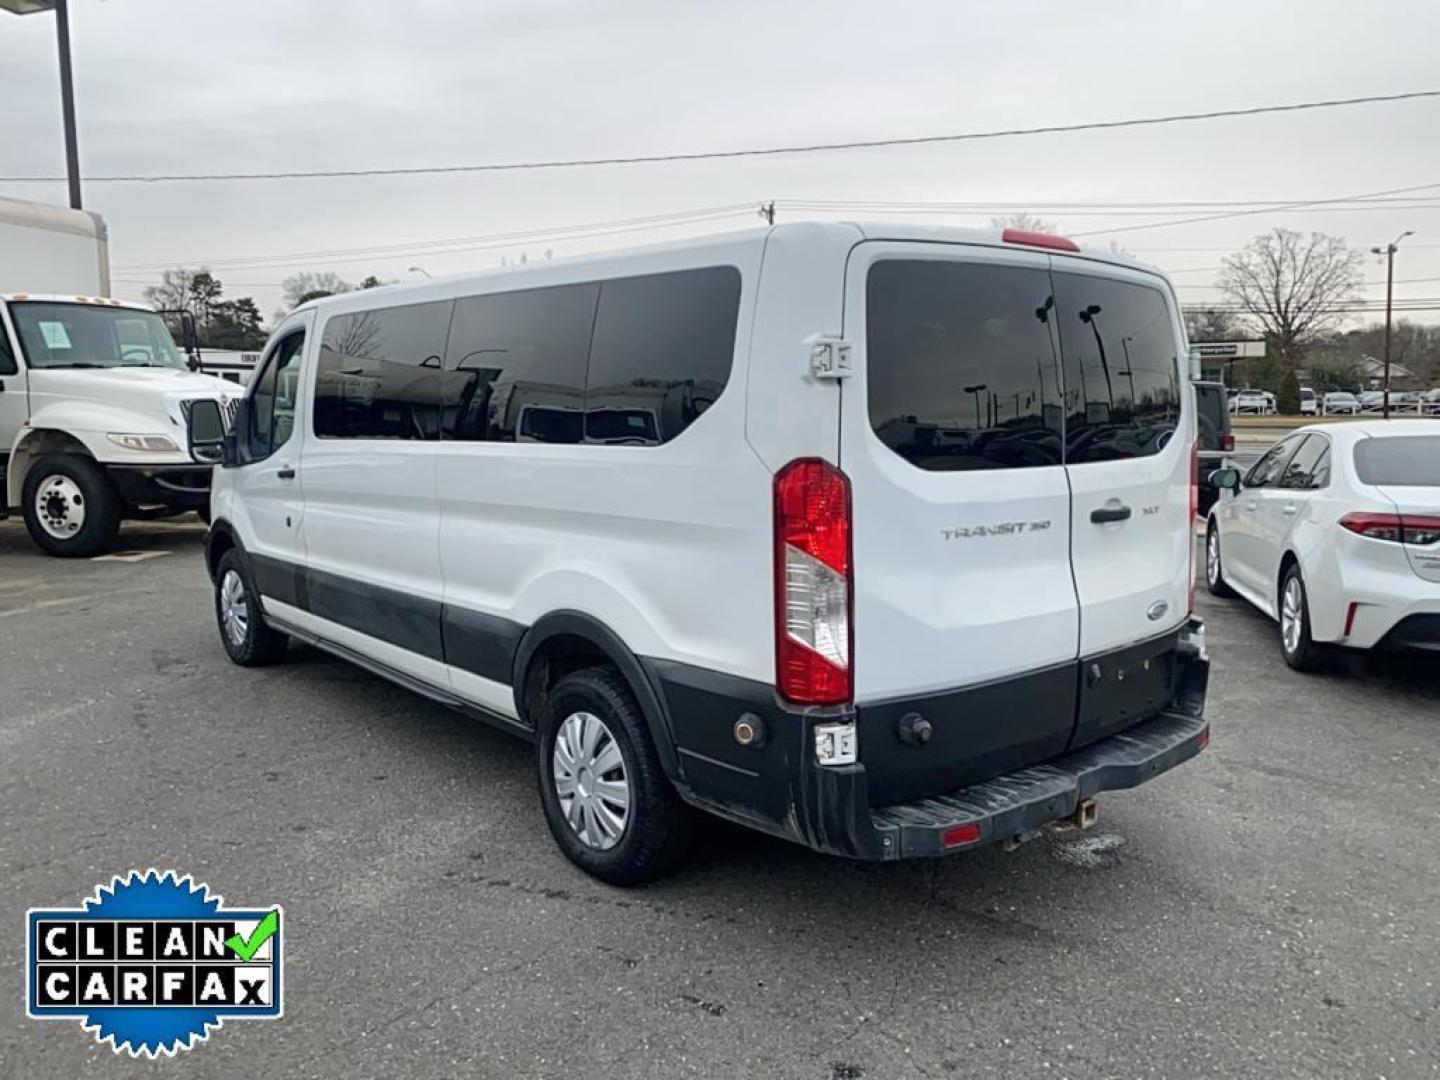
<point x="1299" y="204"/>
<point x="771" y="151"/>
<point x="460" y="245"/>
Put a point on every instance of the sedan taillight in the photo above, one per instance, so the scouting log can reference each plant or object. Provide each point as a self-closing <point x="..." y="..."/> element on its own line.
<point x="1418" y="529"/>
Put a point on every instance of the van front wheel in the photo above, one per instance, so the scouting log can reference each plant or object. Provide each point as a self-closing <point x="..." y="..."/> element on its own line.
<point x="71" y="508"/>
<point x="605" y="797"/>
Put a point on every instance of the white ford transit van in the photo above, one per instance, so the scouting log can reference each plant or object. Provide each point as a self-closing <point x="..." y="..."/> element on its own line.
<point x="874" y="538"/>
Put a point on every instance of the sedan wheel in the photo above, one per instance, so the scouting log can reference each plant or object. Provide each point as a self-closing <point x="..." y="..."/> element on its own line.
<point x="1296" y="645"/>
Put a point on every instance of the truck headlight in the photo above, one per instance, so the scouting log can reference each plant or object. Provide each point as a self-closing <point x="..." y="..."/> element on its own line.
<point x="158" y="444"/>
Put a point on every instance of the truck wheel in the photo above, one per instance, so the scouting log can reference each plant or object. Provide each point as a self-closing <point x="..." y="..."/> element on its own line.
<point x="71" y="508"/>
<point x="605" y="797"/>
<point x="248" y="640"/>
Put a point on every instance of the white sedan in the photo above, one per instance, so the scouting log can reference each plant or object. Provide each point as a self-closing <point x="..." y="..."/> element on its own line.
<point x="1335" y="533"/>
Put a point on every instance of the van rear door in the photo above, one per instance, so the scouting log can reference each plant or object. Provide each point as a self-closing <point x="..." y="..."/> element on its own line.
<point x="951" y="435"/>
<point x="1129" y="444"/>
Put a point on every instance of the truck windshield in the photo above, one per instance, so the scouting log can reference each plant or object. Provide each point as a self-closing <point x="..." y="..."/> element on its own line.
<point x="56" y="335"/>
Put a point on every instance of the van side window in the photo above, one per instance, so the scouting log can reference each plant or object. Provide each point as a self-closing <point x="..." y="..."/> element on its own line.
<point x="661" y="353"/>
<point x="1122" y="372"/>
<point x="378" y="376"/>
<point x="961" y="367"/>
<point x="515" y="366"/>
<point x="272" y="401"/>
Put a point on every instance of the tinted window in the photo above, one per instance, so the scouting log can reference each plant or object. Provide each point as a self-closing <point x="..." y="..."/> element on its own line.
<point x="661" y="353"/>
<point x="1304" y="471"/>
<point x="1410" y="461"/>
<point x="515" y="368"/>
<point x="1122" y="376"/>
<point x="272" y="401"/>
<point x="379" y="373"/>
<point x="961" y="369"/>
<point x="1272" y="464"/>
<point x="1213" y="414"/>
<point x="8" y="366"/>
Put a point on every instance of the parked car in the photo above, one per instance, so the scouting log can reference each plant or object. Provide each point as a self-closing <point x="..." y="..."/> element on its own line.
<point x="857" y="620"/>
<point x="1214" y="441"/>
<point x="1335" y="533"/>
<point x="1370" y="400"/>
<point x="1402" y="401"/>
<point x="1308" y="404"/>
<point x="1340" y="403"/>
<point x="1430" y="402"/>
<point x="1253" y="402"/>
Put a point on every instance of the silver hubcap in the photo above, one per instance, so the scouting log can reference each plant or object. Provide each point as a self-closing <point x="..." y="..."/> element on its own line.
<point x="234" y="612"/>
<point x="60" y="506"/>
<point x="1290" y="607"/>
<point x="590" y="780"/>
<point x="1212" y="557"/>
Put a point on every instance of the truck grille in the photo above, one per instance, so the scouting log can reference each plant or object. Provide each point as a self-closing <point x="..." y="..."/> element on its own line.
<point x="228" y="408"/>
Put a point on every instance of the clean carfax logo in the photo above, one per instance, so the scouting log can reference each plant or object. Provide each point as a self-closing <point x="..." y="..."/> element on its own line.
<point x="153" y="962"/>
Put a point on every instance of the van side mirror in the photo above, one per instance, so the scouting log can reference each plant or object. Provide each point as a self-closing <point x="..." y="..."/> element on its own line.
<point x="1226" y="479"/>
<point x="206" y="434"/>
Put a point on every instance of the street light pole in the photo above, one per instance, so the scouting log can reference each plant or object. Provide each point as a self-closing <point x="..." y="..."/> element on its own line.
<point x="1389" y="253"/>
<point x="67" y="87"/>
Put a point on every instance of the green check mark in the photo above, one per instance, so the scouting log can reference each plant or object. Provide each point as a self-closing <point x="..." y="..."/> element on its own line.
<point x="244" y="948"/>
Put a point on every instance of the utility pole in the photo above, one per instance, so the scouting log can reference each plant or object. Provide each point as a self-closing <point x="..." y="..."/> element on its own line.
<point x="67" y="89"/>
<point x="767" y="211"/>
<point x="1389" y="252"/>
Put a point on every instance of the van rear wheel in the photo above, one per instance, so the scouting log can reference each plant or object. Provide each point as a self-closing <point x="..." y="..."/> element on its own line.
<point x="605" y="796"/>
<point x="71" y="508"/>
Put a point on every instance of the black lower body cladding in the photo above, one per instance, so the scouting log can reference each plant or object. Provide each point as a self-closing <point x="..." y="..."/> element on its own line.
<point x="179" y="487"/>
<point x="1003" y="759"/>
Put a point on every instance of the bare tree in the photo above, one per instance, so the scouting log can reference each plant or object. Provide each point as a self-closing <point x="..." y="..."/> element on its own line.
<point x="307" y="285"/>
<point x="1212" y="324"/>
<point x="1024" y="222"/>
<point x="174" y="293"/>
<point x="1293" y="286"/>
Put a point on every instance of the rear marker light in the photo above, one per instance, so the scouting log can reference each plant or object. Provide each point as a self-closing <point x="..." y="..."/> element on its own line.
<point x="1350" y="617"/>
<point x="812" y="583"/>
<point x="1418" y="529"/>
<point x="960" y="835"/>
<point x="1227" y="442"/>
<point x="1202" y="740"/>
<point x="1039" y="239"/>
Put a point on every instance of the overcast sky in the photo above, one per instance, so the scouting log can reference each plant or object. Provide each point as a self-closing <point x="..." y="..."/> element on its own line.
<point x="190" y="86"/>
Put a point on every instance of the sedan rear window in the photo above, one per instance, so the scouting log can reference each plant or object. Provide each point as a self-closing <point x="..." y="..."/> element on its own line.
<point x="1407" y="461"/>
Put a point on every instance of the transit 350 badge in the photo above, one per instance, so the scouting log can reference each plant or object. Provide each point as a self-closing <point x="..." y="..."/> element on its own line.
<point x="152" y="962"/>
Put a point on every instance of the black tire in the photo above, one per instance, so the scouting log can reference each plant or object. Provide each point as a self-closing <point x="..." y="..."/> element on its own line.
<point x="71" y="508"/>
<point x="1304" y="654"/>
<point x="1214" y="569"/>
<point x="254" y="644"/>
<point x="656" y="829"/>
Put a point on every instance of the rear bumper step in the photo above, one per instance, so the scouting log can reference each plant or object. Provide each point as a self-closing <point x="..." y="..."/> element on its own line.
<point x="1029" y="799"/>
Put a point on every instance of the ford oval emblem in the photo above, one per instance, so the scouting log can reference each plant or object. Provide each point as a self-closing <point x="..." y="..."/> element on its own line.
<point x="1157" y="610"/>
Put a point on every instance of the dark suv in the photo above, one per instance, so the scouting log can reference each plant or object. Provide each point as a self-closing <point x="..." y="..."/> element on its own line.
<point x="1214" y="440"/>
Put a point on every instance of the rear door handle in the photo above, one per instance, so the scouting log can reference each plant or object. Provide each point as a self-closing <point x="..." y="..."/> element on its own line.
<point x="1291" y="509"/>
<point x="286" y="472"/>
<point x="1110" y="513"/>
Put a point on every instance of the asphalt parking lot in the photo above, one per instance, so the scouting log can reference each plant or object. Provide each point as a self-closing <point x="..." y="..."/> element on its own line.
<point x="1269" y="910"/>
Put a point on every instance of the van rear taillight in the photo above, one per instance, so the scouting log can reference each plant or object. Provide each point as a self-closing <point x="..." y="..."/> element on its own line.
<point x="1039" y="239"/>
<point x="1227" y="441"/>
<point x="1397" y="528"/>
<point x="813" y="588"/>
